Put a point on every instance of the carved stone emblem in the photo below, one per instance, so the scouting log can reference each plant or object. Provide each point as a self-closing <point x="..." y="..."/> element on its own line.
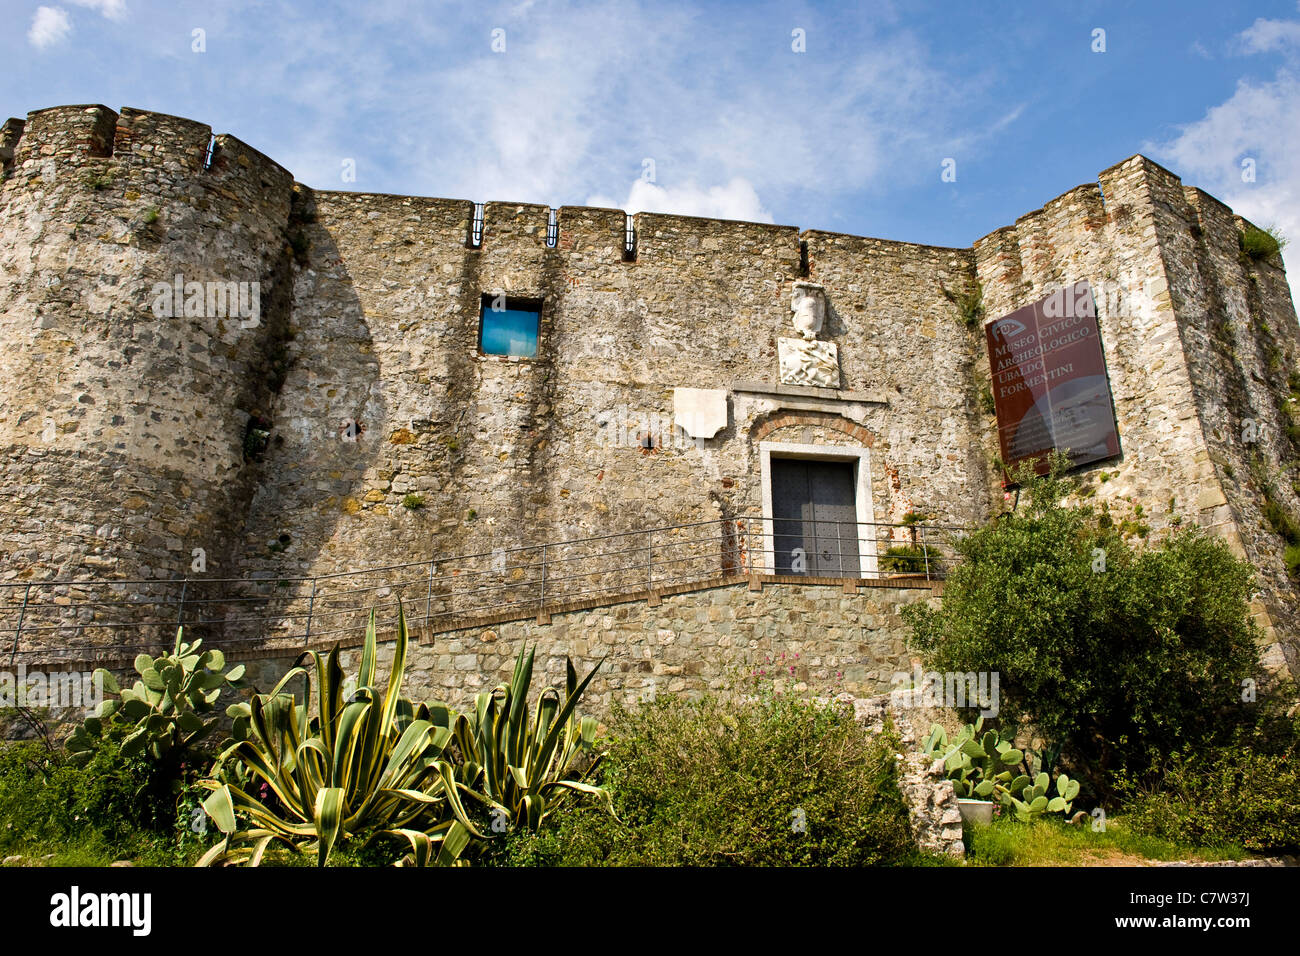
<point x="809" y="306"/>
<point x="805" y="361"/>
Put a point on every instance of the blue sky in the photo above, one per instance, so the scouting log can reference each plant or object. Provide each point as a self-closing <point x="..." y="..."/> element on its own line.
<point x="850" y="135"/>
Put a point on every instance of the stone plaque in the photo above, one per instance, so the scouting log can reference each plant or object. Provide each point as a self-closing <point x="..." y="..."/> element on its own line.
<point x="809" y="363"/>
<point x="701" y="412"/>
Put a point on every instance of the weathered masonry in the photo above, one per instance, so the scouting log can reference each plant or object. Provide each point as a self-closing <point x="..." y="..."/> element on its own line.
<point x="209" y="371"/>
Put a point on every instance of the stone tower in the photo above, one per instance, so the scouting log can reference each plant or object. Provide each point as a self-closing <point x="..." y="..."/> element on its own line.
<point x="124" y="412"/>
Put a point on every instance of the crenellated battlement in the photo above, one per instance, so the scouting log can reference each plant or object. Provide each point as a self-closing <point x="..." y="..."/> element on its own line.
<point x="146" y="145"/>
<point x="141" y="144"/>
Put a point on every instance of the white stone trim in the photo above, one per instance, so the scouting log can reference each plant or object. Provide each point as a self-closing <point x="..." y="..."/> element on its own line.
<point x="861" y="456"/>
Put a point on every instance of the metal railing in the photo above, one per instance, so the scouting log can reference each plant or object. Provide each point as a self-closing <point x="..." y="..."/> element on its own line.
<point x="90" y="620"/>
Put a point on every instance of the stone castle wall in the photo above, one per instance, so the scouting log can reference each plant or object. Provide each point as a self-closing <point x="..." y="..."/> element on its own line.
<point x="386" y="315"/>
<point x="803" y="639"/>
<point x="365" y="369"/>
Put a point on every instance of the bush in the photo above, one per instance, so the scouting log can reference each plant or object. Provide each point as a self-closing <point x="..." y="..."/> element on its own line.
<point x="1118" y="653"/>
<point x="1291" y="557"/>
<point x="723" y="782"/>
<point x="45" y="800"/>
<point x="1238" y="795"/>
<point x="906" y="559"/>
<point x="1262" y="243"/>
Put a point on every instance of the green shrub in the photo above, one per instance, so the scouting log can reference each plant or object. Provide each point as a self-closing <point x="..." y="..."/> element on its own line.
<point x="165" y="710"/>
<point x="46" y="800"/>
<point x="1237" y="795"/>
<point x="1262" y="243"/>
<point x="367" y="767"/>
<point x="1280" y="520"/>
<point x="906" y="559"/>
<point x="724" y="782"/>
<point x="1117" y="652"/>
<point x="522" y="767"/>
<point x="969" y="303"/>
<point x="1291" y="556"/>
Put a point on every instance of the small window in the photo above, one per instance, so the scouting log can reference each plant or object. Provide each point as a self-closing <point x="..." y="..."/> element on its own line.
<point x="510" y="326"/>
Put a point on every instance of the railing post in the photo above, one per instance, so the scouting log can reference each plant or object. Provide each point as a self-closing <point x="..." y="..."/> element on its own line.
<point x="742" y="544"/>
<point x="180" y="614"/>
<point x="311" y="606"/>
<point x="542" y="616"/>
<point x="428" y="599"/>
<point x="651" y="596"/>
<point x="27" y="591"/>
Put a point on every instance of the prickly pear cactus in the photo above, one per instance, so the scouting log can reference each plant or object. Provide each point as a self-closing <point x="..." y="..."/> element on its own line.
<point x="1034" y="799"/>
<point x="978" y="764"/>
<point x="164" y="706"/>
<point x="982" y="766"/>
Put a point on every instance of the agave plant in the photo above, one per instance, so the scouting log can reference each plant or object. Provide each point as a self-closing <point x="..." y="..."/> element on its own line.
<point x="166" y="705"/>
<point x="368" y="767"/>
<point x="524" y="767"/>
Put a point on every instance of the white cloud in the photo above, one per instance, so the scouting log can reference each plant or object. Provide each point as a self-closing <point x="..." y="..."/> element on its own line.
<point x="1265" y="36"/>
<point x="737" y="123"/>
<point x="1261" y="122"/>
<point x="113" y="9"/>
<point x="49" y="26"/>
<point x="736" y="200"/>
<point x="727" y="112"/>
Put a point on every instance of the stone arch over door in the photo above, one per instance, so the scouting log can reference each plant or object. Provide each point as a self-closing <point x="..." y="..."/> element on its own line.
<point x="845" y="429"/>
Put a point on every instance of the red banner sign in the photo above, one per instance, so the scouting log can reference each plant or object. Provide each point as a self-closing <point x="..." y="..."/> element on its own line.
<point x="1050" y="386"/>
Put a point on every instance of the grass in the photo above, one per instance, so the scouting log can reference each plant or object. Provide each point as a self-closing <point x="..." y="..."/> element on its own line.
<point x="1261" y="244"/>
<point x="1046" y="842"/>
<point x="1053" y="842"/>
<point x="969" y="303"/>
<point x="93" y="849"/>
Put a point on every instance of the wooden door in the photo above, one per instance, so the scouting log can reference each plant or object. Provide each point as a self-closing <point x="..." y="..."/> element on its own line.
<point x="814" y="518"/>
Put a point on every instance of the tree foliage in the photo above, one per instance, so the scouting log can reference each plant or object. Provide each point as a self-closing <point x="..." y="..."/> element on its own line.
<point x="1117" y="652"/>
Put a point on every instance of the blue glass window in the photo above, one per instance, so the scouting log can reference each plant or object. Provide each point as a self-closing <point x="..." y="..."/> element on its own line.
<point x="511" y="330"/>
